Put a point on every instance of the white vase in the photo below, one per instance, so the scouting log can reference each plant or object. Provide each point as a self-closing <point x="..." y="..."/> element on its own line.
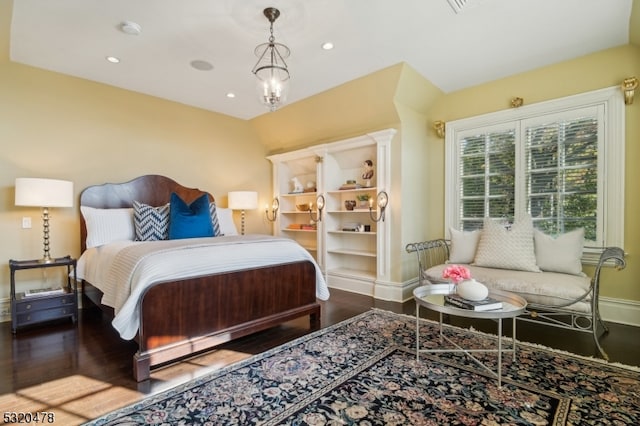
<point x="472" y="290"/>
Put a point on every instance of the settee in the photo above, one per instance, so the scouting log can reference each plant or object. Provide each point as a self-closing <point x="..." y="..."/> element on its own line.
<point x="547" y="273"/>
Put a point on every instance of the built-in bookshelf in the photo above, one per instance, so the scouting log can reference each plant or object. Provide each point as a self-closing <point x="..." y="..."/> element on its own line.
<point x="349" y="245"/>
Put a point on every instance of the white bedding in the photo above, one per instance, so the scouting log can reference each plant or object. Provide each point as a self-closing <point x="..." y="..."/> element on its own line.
<point x="123" y="269"/>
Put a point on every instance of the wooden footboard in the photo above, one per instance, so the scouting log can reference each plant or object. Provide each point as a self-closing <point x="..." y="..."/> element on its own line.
<point x="177" y="320"/>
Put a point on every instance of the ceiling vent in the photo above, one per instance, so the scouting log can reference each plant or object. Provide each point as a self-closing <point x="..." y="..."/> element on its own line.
<point x="457" y="5"/>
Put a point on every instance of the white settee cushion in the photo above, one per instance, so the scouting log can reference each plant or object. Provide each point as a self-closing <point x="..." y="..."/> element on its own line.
<point x="546" y="288"/>
<point x="507" y="248"/>
<point x="561" y="254"/>
<point x="463" y="245"/>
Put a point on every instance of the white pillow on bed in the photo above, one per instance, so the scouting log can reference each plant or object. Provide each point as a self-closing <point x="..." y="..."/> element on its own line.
<point x="107" y="225"/>
<point x="227" y="225"/>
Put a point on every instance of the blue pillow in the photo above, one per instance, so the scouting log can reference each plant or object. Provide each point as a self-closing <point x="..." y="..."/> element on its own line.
<point x="189" y="221"/>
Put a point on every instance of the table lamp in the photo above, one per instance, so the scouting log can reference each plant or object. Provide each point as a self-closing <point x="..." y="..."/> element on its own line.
<point x="243" y="200"/>
<point x="45" y="193"/>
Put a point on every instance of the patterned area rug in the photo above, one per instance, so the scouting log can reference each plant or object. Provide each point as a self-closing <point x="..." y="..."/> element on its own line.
<point x="363" y="371"/>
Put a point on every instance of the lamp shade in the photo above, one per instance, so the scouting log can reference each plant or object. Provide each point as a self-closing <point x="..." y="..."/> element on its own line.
<point x="243" y="200"/>
<point x="38" y="192"/>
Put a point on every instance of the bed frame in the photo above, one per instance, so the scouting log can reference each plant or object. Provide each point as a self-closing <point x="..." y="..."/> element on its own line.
<point x="175" y="319"/>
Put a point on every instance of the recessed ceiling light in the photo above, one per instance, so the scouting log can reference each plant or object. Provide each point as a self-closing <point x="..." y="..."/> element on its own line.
<point x="201" y="65"/>
<point x="113" y="59"/>
<point x="231" y="95"/>
<point x="327" y="46"/>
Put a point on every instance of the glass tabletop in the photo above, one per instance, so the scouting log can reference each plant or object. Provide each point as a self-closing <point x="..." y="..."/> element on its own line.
<point x="432" y="297"/>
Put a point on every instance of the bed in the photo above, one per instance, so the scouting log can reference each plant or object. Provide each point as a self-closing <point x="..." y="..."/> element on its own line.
<point x="179" y="314"/>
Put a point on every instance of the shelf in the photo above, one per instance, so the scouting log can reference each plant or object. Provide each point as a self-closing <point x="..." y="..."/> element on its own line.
<point x="351" y="191"/>
<point x="351" y="273"/>
<point x="352" y="252"/>
<point x="298" y="230"/>
<point x="299" y="194"/>
<point x="351" y="232"/>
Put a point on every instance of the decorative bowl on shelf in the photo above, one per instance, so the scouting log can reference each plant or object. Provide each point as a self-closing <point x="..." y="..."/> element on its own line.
<point x="303" y="207"/>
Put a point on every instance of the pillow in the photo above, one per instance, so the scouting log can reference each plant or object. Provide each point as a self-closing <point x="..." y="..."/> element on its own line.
<point x="561" y="254"/>
<point x="504" y="248"/>
<point x="227" y="225"/>
<point x="463" y="245"/>
<point x="189" y="220"/>
<point x="151" y="223"/>
<point x="215" y="222"/>
<point x="107" y="225"/>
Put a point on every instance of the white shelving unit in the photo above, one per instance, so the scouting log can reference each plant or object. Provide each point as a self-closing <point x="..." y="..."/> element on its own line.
<point x="351" y="248"/>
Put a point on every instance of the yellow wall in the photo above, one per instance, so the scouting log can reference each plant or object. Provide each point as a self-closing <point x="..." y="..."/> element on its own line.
<point x="603" y="69"/>
<point x="63" y="127"/>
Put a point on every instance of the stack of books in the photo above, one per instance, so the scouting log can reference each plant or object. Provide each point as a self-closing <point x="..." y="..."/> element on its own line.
<point x="487" y="304"/>
<point x="43" y="292"/>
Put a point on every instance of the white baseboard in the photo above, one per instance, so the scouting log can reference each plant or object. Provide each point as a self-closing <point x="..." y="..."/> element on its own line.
<point x="621" y="311"/>
<point x="5" y="309"/>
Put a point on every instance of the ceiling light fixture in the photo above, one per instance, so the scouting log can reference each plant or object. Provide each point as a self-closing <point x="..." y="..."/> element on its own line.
<point x="113" y="59"/>
<point x="327" y="46"/>
<point x="271" y="69"/>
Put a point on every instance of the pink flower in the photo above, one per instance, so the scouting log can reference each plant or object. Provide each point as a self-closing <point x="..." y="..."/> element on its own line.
<point x="456" y="273"/>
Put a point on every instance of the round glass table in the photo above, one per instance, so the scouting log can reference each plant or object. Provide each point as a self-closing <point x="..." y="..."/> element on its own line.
<point x="433" y="297"/>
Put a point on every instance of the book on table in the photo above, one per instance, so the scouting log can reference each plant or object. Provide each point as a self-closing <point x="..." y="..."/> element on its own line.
<point x="34" y="292"/>
<point x="486" y="304"/>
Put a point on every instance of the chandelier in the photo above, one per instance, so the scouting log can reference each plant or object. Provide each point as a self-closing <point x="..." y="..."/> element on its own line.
<point x="271" y="69"/>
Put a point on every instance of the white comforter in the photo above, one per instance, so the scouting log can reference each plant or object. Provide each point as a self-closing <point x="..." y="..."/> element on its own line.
<point x="123" y="269"/>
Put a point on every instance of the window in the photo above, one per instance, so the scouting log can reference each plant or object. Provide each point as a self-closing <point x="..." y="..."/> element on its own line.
<point x="561" y="161"/>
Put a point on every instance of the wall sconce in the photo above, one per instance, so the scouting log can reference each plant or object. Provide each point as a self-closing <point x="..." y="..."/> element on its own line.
<point x="320" y="206"/>
<point x="382" y="199"/>
<point x="629" y="85"/>
<point x="275" y="206"/>
<point x="438" y="126"/>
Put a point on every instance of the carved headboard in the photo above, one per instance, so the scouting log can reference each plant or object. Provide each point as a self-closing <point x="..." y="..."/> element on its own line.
<point x="154" y="190"/>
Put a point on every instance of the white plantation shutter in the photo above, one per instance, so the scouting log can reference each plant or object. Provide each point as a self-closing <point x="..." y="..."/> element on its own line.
<point x="561" y="161"/>
<point x="561" y="172"/>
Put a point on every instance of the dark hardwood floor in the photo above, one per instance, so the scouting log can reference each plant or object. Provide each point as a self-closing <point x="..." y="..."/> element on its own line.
<point x="81" y="372"/>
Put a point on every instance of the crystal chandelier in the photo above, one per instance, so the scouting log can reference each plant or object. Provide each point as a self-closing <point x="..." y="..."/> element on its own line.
<point x="271" y="69"/>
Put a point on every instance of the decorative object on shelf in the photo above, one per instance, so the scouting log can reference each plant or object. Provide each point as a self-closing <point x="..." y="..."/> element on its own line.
<point x="363" y="200"/>
<point x="271" y="68"/>
<point x="349" y="204"/>
<point x="320" y="206"/>
<point x="296" y="186"/>
<point x="275" y="206"/>
<point x="438" y="126"/>
<point x="351" y="184"/>
<point x="367" y="173"/>
<point x="382" y="200"/>
<point x="517" y="102"/>
<point x="243" y="200"/>
<point x="311" y="186"/>
<point x="629" y="86"/>
<point x="45" y="193"/>
<point x="472" y="290"/>
<point x="305" y="207"/>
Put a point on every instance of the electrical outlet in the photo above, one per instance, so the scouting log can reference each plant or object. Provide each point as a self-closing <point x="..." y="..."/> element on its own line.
<point x="26" y="222"/>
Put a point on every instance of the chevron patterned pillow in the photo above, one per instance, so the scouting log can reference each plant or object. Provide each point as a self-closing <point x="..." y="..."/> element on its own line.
<point x="214" y="220"/>
<point x="151" y="223"/>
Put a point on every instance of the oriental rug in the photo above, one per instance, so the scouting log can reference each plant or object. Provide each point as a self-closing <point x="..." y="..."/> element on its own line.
<point x="364" y="371"/>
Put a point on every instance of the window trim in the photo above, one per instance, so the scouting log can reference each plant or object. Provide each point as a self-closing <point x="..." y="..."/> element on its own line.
<point x="613" y="162"/>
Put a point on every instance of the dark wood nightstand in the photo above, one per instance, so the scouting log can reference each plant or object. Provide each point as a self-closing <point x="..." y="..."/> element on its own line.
<point x="27" y="310"/>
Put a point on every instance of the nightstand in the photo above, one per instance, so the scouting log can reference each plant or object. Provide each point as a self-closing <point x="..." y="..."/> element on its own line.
<point x="28" y="310"/>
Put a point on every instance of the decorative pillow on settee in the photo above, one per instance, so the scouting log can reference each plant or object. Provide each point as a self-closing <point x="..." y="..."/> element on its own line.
<point x="560" y="254"/>
<point x="464" y="245"/>
<point x="507" y="247"/>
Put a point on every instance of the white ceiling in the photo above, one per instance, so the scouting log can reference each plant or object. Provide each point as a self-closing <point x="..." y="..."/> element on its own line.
<point x="487" y="40"/>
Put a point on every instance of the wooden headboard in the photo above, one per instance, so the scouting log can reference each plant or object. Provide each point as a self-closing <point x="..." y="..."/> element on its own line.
<point x="154" y="190"/>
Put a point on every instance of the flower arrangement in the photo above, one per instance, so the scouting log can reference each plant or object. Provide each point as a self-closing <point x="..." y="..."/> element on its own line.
<point x="456" y="273"/>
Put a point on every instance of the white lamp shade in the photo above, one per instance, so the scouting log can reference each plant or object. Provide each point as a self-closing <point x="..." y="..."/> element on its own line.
<point x="243" y="200"/>
<point x="38" y="192"/>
